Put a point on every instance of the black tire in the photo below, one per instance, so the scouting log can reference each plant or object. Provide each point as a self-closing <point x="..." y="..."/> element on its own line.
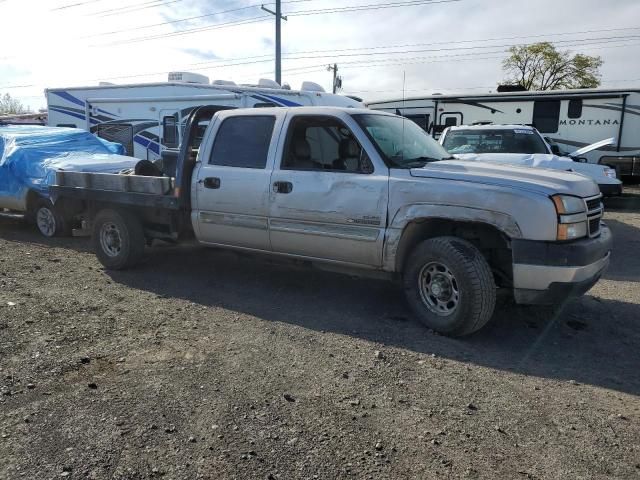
<point x="443" y="266"/>
<point x="118" y="239"/>
<point x="49" y="219"/>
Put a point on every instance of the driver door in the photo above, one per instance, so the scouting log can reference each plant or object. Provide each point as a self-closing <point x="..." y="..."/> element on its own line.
<point x="327" y="200"/>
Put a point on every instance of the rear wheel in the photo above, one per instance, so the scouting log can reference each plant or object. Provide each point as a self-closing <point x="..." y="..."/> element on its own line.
<point x="49" y="220"/>
<point x="118" y="239"/>
<point x="449" y="285"/>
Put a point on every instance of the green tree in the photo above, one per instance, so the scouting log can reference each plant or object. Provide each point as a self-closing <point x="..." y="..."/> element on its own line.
<point x="541" y="67"/>
<point x="10" y="105"/>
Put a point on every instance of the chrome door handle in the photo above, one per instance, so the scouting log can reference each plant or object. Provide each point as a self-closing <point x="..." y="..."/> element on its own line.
<point x="282" y="187"/>
<point x="212" y="182"/>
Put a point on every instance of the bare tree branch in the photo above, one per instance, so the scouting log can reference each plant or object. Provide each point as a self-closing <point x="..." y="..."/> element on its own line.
<point x="540" y="66"/>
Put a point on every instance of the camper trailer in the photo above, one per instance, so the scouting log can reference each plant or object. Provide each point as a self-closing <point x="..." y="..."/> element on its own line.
<point x="149" y="118"/>
<point x="568" y="118"/>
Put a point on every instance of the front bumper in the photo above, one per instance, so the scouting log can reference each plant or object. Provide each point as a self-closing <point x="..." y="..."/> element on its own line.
<point x="610" y="189"/>
<point x="551" y="272"/>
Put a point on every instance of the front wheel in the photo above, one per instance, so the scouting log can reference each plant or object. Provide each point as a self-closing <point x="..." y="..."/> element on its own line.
<point x="449" y="285"/>
<point x="49" y="220"/>
<point x="118" y="239"/>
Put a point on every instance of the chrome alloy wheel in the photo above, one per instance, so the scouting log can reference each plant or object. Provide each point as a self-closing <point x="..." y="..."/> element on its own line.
<point x="110" y="239"/>
<point x="46" y="222"/>
<point x="438" y="289"/>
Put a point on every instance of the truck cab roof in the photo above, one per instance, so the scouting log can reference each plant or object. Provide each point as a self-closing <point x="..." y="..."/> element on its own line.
<point x="492" y="126"/>
<point x="317" y="110"/>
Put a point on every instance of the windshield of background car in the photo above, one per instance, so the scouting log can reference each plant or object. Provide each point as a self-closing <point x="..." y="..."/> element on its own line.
<point x="494" y="141"/>
<point x="400" y="141"/>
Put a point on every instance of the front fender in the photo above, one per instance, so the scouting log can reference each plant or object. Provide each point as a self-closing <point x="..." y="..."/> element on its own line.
<point x="410" y="213"/>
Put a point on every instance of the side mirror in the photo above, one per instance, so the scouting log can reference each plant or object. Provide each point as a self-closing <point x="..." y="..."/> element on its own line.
<point x="555" y="149"/>
<point x="580" y="159"/>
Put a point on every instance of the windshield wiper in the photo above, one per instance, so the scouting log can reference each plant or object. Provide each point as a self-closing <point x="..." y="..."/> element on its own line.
<point x="421" y="161"/>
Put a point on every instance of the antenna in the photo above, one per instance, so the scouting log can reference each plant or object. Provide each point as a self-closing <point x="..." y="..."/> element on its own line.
<point x="404" y="81"/>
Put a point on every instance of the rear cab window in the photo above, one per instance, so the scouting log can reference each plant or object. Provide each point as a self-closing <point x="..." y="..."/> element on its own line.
<point x="233" y="147"/>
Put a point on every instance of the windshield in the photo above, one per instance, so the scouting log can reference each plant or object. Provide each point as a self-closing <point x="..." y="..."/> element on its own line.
<point x="400" y="141"/>
<point x="494" y="141"/>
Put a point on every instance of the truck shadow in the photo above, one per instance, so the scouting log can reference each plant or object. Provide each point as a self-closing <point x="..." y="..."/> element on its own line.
<point x="624" y="267"/>
<point x="628" y="202"/>
<point x="589" y="340"/>
<point x="16" y="229"/>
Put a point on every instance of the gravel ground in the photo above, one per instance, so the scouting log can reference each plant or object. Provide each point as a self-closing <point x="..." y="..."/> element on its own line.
<point x="209" y="364"/>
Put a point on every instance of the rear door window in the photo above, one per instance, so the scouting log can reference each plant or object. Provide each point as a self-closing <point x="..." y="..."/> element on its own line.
<point x="243" y="142"/>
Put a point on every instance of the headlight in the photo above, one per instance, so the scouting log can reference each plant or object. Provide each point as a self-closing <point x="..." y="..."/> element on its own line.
<point x="566" y="204"/>
<point x="572" y="217"/>
<point x="610" y="172"/>
<point x="572" y="231"/>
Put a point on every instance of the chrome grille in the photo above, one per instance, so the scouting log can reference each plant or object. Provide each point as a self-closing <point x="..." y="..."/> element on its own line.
<point x="593" y="203"/>
<point x="594" y="214"/>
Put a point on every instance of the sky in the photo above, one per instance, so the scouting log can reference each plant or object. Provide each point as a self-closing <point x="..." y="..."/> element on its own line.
<point x="382" y="48"/>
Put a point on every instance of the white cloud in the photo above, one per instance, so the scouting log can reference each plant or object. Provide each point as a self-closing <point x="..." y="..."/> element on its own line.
<point x="65" y="48"/>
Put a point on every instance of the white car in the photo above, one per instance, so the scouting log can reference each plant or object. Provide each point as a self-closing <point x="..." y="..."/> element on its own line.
<point x="523" y="145"/>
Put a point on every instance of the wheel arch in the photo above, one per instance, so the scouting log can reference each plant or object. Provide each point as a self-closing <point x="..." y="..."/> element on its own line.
<point x="491" y="233"/>
<point x="31" y="199"/>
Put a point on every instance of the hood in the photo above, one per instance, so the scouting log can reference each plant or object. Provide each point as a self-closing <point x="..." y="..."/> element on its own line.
<point x="525" y="159"/>
<point x="538" y="180"/>
<point x="595" y="171"/>
<point x="593" y="146"/>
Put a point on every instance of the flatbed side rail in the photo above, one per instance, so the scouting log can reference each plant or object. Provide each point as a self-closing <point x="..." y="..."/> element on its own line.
<point x="115" y="182"/>
<point x="136" y="199"/>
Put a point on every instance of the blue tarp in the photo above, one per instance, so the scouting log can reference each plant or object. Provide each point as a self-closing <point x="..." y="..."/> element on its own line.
<point x="30" y="156"/>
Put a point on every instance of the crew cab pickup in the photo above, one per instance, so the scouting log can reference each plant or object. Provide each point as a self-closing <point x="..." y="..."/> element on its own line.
<point x="363" y="190"/>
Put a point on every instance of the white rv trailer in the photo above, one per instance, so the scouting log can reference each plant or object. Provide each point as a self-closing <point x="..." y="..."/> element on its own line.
<point x="569" y="118"/>
<point x="146" y="118"/>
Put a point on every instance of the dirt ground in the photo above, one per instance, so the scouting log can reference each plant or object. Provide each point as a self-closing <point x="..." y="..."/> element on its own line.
<point x="209" y="364"/>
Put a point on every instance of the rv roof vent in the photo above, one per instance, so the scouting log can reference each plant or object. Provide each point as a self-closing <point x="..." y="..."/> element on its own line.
<point x="223" y="82"/>
<point x="311" y="87"/>
<point x="105" y="84"/>
<point x="188" y="77"/>
<point x="511" y="88"/>
<point x="268" y="83"/>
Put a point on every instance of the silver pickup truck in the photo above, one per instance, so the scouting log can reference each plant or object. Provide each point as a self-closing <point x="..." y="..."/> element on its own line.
<point x="363" y="190"/>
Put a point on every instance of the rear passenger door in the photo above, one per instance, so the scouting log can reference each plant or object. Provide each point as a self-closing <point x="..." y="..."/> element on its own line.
<point x="328" y="199"/>
<point x="233" y="181"/>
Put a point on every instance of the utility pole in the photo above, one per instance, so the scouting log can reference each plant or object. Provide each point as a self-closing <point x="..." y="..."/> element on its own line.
<point x="337" y="81"/>
<point x="279" y="16"/>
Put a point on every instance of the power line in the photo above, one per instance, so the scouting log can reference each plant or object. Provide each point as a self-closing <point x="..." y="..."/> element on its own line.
<point x="72" y="5"/>
<point x="216" y="26"/>
<point x="187" y="19"/>
<point x="376" y="6"/>
<point x="464" y="41"/>
<point x="173" y="21"/>
<point x="134" y="8"/>
<point x="391" y="61"/>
